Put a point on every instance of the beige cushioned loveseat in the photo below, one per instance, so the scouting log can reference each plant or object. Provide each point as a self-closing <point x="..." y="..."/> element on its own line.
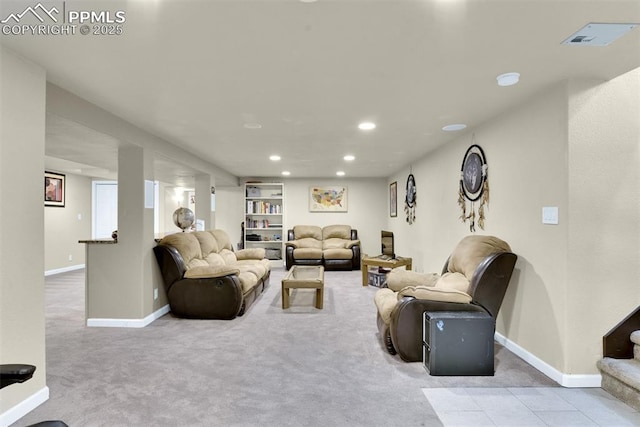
<point x="335" y="246"/>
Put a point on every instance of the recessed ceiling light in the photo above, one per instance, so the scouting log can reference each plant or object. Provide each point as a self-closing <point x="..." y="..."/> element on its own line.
<point x="366" y="126"/>
<point x="286" y="173"/>
<point x="508" y="79"/>
<point x="451" y="128"/>
<point x="274" y="157"/>
<point x="308" y="1"/>
<point x="340" y="173"/>
<point x="349" y="157"/>
<point x="252" y="126"/>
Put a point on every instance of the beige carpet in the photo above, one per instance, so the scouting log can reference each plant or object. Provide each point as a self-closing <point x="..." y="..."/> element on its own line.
<point x="302" y="366"/>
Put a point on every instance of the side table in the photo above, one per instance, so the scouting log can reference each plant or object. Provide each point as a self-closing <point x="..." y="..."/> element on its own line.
<point x="384" y="263"/>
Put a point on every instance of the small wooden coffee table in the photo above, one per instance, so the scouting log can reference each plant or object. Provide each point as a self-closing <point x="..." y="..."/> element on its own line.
<point x="303" y="276"/>
<point x="380" y="262"/>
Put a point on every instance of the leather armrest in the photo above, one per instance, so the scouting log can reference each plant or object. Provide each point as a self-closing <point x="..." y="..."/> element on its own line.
<point x="352" y="243"/>
<point x="15" y="373"/>
<point x="207" y="271"/>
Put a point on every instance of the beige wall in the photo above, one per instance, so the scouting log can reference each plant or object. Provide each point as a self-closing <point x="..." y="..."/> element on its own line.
<point x="604" y="200"/>
<point x="168" y="206"/>
<point x="63" y="228"/>
<point x="22" y="134"/>
<point x="575" y="147"/>
<point x="526" y="155"/>
<point x="135" y="234"/>
<point x="121" y="277"/>
<point x="230" y="211"/>
<point x="367" y="208"/>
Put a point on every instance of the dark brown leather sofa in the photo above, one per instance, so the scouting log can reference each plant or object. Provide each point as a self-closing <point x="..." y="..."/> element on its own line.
<point x="205" y="279"/>
<point x="488" y="282"/>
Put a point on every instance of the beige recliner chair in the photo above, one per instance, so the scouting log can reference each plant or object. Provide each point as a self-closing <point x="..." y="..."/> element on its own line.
<point x="474" y="278"/>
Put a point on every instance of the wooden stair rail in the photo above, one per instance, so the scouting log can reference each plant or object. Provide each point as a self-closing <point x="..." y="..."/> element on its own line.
<point x="617" y="343"/>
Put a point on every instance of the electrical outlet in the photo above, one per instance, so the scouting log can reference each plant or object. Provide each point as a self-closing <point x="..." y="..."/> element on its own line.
<point x="155" y="293"/>
<point x="70" y="257"/>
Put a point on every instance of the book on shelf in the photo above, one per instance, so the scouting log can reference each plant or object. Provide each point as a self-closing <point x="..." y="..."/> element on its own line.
<point x="262" y="207"/>
<point x="257" y="223"/>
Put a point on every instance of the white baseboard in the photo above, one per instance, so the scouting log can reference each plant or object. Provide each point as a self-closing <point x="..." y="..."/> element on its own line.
<point x="12" y="415"/>
<point x="564" y="380"/>
<point x="128" y="323"/>
<point x="63" y="269"/>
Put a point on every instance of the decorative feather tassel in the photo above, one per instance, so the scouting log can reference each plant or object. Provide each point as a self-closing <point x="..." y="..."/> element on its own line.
<point x="462" y="204"/>
<point x="485" y="191"/>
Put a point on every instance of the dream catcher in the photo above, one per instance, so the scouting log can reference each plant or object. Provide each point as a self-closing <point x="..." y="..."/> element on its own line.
<point x="474" y="186"/>
<point x="410" y="199"/>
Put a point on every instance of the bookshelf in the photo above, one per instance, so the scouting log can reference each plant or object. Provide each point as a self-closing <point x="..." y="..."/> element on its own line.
<point x="264" y="218"/>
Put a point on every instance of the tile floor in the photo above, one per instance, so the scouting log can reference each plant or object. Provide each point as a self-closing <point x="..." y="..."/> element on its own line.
<point x="530" y="406"/>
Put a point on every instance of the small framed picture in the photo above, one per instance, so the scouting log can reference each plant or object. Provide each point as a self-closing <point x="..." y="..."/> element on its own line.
<point x="54" y="189"/>
<point x="393" y="199"/>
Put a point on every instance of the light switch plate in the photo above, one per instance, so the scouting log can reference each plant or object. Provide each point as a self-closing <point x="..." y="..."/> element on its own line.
<point x="550" y="215"/>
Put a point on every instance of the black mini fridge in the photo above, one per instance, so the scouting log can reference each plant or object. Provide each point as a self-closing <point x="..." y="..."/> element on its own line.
<point x="458" y="343"/>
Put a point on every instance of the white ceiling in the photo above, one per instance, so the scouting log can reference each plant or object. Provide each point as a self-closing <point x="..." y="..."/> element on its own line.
<point x="193" y="72"/>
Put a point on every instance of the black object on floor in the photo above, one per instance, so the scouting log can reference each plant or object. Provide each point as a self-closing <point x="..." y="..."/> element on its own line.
<point x="19" y="373"/>
<point x="458" y="343"/>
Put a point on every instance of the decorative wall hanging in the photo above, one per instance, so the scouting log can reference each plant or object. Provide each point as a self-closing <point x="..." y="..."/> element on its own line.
<point x="328" y="199"/>
<point x="393" y="199"/>
<point x="54" y="191"/>
<point x="410" y="199"/>
<point x="474" y="186"/>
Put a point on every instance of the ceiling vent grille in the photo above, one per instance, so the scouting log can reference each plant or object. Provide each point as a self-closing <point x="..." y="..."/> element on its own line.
<point x="598" y="34"/>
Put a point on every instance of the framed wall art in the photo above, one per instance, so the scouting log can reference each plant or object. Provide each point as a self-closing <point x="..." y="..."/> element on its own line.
<point x="328" y="199"/>
<point x="393" y="199"/>
<point x="54" y="189"/>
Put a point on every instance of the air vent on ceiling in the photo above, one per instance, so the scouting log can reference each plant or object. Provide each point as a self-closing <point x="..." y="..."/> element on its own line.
<point x="599" y="34"/>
